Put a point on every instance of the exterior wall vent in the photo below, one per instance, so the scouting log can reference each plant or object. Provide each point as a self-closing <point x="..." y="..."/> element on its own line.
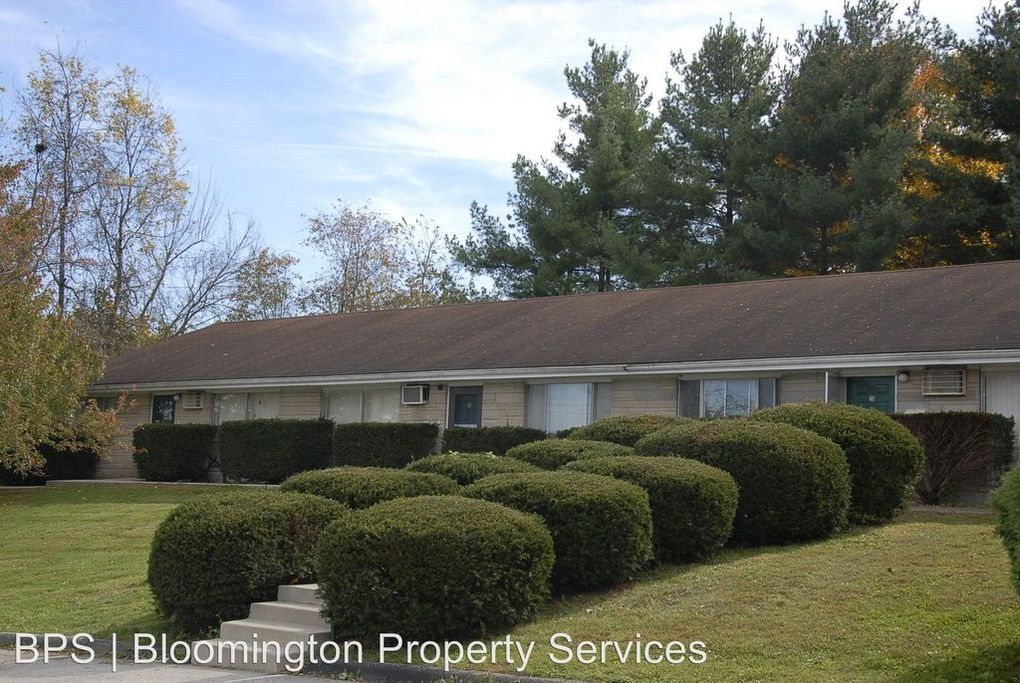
<point x="193" y="400"/>
<point x="944" y="382"/>
<point x="414" y="394"/>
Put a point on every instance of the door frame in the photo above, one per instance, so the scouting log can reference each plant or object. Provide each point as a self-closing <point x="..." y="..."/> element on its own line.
<point x="450" y="401"/>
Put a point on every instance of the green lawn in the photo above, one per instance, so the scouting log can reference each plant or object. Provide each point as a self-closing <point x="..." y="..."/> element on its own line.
<point x="74" y="559"/>
<point x="924" y="599"/>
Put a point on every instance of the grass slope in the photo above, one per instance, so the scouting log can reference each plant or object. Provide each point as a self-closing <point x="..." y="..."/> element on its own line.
<point x="926" y="598"/>
<point x="75" y="559"/>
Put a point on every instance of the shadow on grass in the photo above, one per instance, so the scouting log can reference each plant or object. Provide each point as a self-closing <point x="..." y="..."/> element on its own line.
<point x="993" y="664"/>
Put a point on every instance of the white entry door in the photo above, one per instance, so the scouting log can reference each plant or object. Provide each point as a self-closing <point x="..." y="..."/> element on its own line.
<point x="1002" y="395"/>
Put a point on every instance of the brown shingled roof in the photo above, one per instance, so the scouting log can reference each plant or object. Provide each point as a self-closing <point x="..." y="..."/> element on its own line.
<point x="975" y="307"/>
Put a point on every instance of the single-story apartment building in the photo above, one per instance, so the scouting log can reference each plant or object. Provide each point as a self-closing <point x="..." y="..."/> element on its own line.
<point x="899" y="341"/>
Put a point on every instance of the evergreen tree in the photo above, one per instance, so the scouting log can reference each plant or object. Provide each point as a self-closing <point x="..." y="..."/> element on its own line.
<point x="578" y="223"/>
<point x="716" y="125"/>
<point x="830" y="199"/>
<point x="961" y="190"/>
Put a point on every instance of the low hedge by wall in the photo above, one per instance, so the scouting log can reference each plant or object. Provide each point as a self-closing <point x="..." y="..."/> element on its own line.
<point x="794" y="485"/>
<point x="362" y="487"/>
<point x="958" y="446"/>
<point x="216" y="554"/>
<point x="60" y="463"/>
<point x="433" y="567"/>
<point x="466" y="468"/>
<point x="173" y="452"/>
<point x="383" y="444"/>
<point x="552" y="454"/>
<point x="269" y="451"/>
<point x="601" y="527"/>
<point x="496" y="440"/>
<point x="693" y="504"/>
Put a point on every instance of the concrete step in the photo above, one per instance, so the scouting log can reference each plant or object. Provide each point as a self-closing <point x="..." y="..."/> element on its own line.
<point x="252" y="629"/>
<point x="295" y="613"/>
<point x="257" y="659"/>
<point x="303" y="593"/>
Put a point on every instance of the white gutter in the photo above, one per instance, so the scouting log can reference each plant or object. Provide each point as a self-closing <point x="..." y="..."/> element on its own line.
<point x="874" y="360"/>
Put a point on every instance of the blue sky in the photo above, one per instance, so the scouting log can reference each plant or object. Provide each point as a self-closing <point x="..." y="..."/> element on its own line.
<point x="418" y="107"/>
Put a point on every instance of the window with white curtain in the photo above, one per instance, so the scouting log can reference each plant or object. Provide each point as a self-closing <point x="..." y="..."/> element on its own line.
<point x="382" y="405"/>
<point x="557" y="406"/>
<point x="726" y="397"/>
<point x="344" y="406"/>
<point x="231" y="407"/>
<point x="246" y="406"/>
<point x="363" y="405"/>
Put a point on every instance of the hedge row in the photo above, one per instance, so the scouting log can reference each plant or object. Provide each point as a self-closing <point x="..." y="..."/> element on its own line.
<point x="496" y="440"/>
<point x="466" y="468"/>
<point x="552" y="454"/>
<point x="958" y="446"/>
<point x="383" y="444"/>
<point x="58" y="463"/>
<point x="362" y="487"/>
<point x="216" y="554"/>
<point x="173" y="452"/>
<point x="269" y="451"/>
<point x="601" y="527"/>
<point x="794" y="484"/>
<point x="885" y="459"/>
<point x="433" y="567"/>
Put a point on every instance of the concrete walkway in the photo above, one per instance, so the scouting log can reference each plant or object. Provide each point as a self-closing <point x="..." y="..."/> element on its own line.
<point x="64" y="669"/>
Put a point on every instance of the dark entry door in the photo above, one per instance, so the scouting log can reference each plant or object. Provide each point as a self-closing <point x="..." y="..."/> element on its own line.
<point x="465" y="407"/>
<point x="872" y="392"/>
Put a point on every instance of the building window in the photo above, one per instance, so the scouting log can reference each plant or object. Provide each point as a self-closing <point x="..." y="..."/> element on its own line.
<point x="245" y="406"/>
<point x="944" y="383"/>
<point x="726" y="397"/>
<point x="363" y="405"/>
<point x="555" y="407"/>
<point x="163" y="408"/>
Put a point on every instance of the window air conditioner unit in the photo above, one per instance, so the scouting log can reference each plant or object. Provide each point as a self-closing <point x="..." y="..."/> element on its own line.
<point x="414" y="394"/>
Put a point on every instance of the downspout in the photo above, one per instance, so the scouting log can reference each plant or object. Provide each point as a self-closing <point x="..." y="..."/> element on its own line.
<point x="826" y="386"/>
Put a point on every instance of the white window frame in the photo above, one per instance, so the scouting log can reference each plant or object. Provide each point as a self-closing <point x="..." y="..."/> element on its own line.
<point x="599" y="403"/>
<point x="328" y="393"/>
<point x="944" y="382"/>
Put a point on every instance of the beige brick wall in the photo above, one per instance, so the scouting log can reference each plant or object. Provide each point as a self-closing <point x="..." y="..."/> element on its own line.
<point x="203" y="415"/>
<point x="646" y="396"/>
<point x="504" y="404"/>
<point x="910" y="398"/>
<point x="301" y="404"/>
<point x="138" y="410"/>
<point x="802" y="387"/>
<point x="433" y="411"/>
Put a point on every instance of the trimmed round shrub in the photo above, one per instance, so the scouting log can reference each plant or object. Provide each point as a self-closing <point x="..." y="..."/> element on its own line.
<point x="465" y="468"/>
<point x="362" y="487"/>
<point x="601" y="527"/>
<point x="793" y="484"/>
<point x="173" y="452"/>
<point x="216" y="554"/>
<point x="496" y="440"/>
<point x="1007" y="502"/>
<point x="693" y="504"/>
<point x="434" y="567"/>
<point x="625" y="430"/>
<point x="552" y="454"/>
<point x="885" y="458"/>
